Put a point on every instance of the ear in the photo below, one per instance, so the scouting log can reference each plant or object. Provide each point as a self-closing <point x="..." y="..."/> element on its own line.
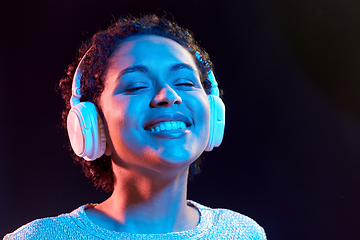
<point x="108" y="151"/>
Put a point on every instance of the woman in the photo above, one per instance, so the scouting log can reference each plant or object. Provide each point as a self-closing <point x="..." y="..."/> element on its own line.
<point x="141" y="106"/>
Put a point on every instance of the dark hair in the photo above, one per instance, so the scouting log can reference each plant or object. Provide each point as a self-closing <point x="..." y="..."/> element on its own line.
<point x="103" y="44"/>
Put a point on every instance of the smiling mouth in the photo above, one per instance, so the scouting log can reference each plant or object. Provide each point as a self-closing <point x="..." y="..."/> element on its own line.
<point x="166" y="126"/>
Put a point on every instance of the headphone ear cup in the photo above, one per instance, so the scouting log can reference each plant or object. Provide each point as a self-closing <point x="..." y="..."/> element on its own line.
<point x="86" y="131"/>
<point x="217" y="122"/>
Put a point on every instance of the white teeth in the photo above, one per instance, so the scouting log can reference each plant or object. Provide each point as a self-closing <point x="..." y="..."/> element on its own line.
<point x="172" y="125"/>
<point x="168" y="125"/>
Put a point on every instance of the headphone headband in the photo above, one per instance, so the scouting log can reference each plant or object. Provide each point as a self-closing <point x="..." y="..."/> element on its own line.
<point x="76" y="84"/>
<point x="214" y="85"/>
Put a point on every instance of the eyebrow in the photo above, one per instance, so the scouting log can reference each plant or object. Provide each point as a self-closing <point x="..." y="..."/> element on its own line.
<point x="135" y="68"/>
<point x="178" y="66"/>
<point x="145" y="69"/>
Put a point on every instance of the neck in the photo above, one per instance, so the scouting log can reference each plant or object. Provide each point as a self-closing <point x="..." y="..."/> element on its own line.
<point x="146" y="204"/>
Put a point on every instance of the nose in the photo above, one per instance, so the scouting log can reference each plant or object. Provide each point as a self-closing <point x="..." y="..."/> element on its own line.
<point x="166" y="97"/>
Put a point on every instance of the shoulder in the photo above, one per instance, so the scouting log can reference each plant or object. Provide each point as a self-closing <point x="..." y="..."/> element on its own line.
<point x="58" y="227"/>
<point x="225" y="222"/>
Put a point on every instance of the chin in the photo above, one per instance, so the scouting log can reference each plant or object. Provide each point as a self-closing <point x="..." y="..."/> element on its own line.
<point x="173" y="156"/>
<point x="178" y="156"/>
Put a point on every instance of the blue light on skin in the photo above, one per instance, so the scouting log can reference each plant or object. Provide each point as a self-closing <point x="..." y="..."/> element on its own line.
<point x="157" y="122"/>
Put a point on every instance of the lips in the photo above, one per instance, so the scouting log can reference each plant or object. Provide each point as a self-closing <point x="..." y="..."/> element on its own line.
<point x="168" y="122"/>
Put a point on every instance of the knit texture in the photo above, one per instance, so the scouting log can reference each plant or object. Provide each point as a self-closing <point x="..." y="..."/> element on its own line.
<point x="213" y="224"/>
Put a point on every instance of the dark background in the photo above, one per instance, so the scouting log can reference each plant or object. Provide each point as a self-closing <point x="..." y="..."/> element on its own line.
<point x="290" y="71"/>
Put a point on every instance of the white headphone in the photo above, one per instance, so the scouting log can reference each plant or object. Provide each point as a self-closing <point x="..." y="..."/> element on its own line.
<point x="217" y="115"/>
<point x="86" y="129"/>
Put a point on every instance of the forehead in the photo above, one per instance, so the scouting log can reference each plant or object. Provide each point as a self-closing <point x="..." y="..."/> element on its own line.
<point x="151" y="50"/>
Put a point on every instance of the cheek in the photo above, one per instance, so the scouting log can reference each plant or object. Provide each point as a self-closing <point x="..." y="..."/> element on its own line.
<point x="206" y="116"/>
<point x="120" y="120"/>
<point x="114" y="113"/>
<point x="124" y="128"/>
<point x="202" y="114"/>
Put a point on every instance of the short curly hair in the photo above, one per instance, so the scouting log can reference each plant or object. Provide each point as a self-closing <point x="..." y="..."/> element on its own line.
<point x="103" y="44"/>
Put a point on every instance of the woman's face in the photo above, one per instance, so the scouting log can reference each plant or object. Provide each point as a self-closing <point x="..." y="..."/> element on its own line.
<point x="156" y="112"/>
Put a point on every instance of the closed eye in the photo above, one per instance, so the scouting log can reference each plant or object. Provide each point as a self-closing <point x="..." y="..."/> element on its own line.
<point x="184" y="83"/>
<point x="135" y="89"/>
<point x="188" y="84"/>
